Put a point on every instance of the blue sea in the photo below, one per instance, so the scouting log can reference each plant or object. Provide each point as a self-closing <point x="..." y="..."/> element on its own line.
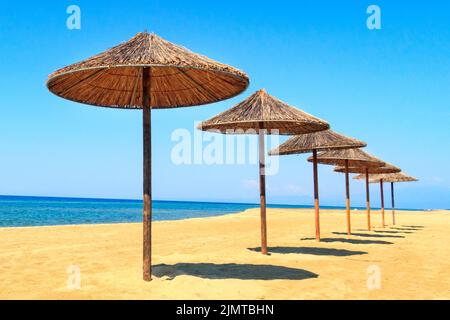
<point x="42" y="211"/>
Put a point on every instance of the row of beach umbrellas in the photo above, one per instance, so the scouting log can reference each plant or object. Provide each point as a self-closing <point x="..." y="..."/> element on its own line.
<point x="148" y="72"/>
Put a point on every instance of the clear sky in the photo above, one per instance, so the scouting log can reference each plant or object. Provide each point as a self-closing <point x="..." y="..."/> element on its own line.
<point x="388" y="87"/>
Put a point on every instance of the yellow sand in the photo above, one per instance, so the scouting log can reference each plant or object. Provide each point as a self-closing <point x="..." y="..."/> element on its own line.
<point x="209" y="259"/>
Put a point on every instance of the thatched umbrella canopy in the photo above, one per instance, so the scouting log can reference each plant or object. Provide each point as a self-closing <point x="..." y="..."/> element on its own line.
<point x="350" y="158"/>
<point x="262" y="114"/>
<point x="327" y="140"/>
<point x="143" y="73"/>
<point x="262" y="111"/>
<point x="391" y="178"/>
<point x="178" y="77"/>
<point x="387" y="168"/>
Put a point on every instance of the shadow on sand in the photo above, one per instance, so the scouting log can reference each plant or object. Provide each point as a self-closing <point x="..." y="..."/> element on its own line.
<point x="232" y="271"/>
<point x="406" y="228"/>
<point x="369" y="235"/>
<point x="391" y="232"/>
<point x="312" y="251"/>
<point x="352" y="241"/>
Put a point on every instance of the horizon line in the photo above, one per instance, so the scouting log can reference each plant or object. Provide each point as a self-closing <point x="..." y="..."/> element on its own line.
<point x="198" y="201"/>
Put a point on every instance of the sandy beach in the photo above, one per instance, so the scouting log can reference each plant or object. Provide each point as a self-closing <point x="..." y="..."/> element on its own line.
<point x="215" y="258"/>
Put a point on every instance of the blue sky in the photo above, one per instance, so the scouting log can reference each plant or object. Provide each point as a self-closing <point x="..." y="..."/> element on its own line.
<point x="388" y="87"/>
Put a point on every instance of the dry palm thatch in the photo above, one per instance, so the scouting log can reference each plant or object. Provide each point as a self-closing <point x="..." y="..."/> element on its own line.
<point x="354" y="158"/>
<point x="321" y="141"/>
<point x="389" y="177"/>
<point x="387" y="168"/>
<point x="263" y="111"/>
<point x="179" y="77"/>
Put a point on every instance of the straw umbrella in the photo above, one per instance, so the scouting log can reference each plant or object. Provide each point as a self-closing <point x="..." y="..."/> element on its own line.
<point x="349" y="158"/>
<point x="387" y="168"/>
<point x="391" y="178"/>
<point x="263" y="114"/>
<point x="313" y="142"/>
<point x="147" y="72"/>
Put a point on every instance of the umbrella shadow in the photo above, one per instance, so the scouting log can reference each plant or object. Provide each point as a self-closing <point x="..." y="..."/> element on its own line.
<point x="232" y="271"/>
<point x="392" y="232"/>
<point x="406" y="228"/>
<point x="352" y="241"/>
<point x="370" y="235"/>
<point x="312" y="251"/>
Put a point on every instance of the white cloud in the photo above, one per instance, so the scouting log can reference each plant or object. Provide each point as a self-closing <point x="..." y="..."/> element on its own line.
<point x="254" y="185"/>
<point x="250" y="184"/>
<point x="284" y="190"/>
<point x="294" y="189"/>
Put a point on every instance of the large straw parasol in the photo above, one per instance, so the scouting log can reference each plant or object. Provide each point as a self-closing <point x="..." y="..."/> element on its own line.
<point x="350" y="158"/>
<point x="313" y="142"/>
<point x="143" y="73"/>
<point x="387" y="168"/>
<point x="262" y="114"/>
<point x="392" y="178"/>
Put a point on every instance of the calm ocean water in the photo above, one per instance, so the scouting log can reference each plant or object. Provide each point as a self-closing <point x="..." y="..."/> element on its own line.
<point x="39" y="211"/>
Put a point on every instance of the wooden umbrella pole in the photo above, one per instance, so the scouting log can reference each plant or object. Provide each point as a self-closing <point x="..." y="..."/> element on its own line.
<point x="347" y="197"/>
<point x="316" y="195"/>
<point x="382" y="202"/>
<point x="147" y="121"/>
<point x="368" y="199"/>
<point x="262" y="190"/>
<point x="393" y="203"/>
